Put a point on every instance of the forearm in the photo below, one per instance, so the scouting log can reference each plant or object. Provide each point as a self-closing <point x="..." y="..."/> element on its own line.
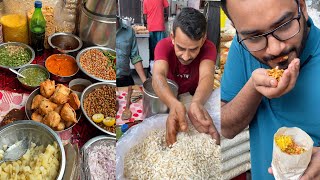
<point x="162" y="89"/>
<point x="237" y="114"/>
<point x="139" y="68"/>
<point x="204" y="89"/>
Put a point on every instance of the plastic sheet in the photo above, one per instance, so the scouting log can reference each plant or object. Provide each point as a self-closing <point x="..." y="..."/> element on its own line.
<point x="138" y="133"/>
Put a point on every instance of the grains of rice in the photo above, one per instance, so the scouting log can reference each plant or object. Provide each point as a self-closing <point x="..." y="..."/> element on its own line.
<point x="193" y="156"/>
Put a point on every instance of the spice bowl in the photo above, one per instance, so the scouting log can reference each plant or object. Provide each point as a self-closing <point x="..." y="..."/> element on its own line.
<point x="35" y="74"/>
<point x="78" y="85"/>
<point x="62" y="67"/>
<point x="65" y="43"/>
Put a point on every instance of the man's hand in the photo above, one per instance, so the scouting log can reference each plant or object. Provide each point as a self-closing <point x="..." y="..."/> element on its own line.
<point x="269" y="87"/>
<point x="176" y="122"/>
<point x="313" y="170"/>
<point x="202" y="121"/>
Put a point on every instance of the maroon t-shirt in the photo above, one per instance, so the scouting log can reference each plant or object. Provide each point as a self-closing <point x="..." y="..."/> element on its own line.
<point x="186" y="76"/>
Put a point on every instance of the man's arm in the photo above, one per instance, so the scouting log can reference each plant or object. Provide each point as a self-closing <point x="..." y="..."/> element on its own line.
<point x="177" y="116"/>
<point x="159" y="83"/>
<point x="237" y="114"/>
<point x="139" y="68"/>
<point x="205" y="85"/>
<point x="197" y="113"/>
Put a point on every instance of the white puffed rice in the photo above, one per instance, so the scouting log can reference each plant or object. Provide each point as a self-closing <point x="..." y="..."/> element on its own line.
<point x="193" y="156"/>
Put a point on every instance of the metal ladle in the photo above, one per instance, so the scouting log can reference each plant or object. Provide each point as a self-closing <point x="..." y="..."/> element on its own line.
<point x="16" y="151"/>
<point x="17" y="73"/>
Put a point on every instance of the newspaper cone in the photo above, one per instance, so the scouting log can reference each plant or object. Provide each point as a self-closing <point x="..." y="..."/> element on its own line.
<point x="291" y="167"/>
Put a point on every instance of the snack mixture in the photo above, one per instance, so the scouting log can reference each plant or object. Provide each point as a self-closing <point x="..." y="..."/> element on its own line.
<point x="287" y="145"/>
<point x="194" y="156"/>
<point x="276" y="73"/>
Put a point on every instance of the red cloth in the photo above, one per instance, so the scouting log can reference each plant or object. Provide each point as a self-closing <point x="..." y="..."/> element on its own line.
<point x="186" y="76"/>
<point x="155" y="15"/>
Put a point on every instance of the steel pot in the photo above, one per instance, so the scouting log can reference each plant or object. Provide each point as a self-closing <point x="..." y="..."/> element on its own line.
<point x="102" y="7"/>
<point x="152" y="105"/>
<point x="96" y="29"/>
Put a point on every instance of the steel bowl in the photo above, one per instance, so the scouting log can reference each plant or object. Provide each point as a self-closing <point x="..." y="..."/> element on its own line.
<point x="62" y="79"/>
<point x="28" y="48"/>
<point x="37" y="133"/>
<point x="65" y="43"/>
<point x="85" y="93"/>
<point x="29" y="87"/>
<point x="29" y="112"/>
<point x="113" y="52"/>
<point x="87" y="147"/>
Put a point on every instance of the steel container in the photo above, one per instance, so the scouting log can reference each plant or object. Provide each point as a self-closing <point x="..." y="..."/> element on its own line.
<point x="152" y="105"/>
<point x="102" y="7"/>
<point x="37" y="133"/>
<point x="97" y="29"/>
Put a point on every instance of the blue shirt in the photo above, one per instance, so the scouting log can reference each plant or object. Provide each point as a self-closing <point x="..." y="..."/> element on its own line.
<point x="298" y="108"/>
<point x="126" y="49"/>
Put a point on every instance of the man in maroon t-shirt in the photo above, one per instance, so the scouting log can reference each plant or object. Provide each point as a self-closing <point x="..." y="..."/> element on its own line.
<point x="187" y="58"/>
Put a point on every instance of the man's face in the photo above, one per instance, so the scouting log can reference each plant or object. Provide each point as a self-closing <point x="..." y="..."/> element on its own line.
<point x="255" y="17"/>
<point x="185" y="48"/>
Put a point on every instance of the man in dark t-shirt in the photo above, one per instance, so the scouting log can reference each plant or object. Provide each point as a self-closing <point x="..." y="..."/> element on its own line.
<point x="187" y="58"/>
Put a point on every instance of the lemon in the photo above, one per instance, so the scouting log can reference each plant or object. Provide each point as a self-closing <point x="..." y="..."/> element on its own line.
<point x="109" y="121"/>
<point x="97" y="118"/>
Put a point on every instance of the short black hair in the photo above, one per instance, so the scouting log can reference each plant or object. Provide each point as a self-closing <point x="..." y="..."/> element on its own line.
<point x="191" y="22"/>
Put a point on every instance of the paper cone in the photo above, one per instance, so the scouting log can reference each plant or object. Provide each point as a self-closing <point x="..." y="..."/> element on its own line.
<point x="291" y="167"/>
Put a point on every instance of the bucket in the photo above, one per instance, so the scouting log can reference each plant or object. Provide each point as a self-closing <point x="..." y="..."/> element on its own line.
<point x="152" y="105"/>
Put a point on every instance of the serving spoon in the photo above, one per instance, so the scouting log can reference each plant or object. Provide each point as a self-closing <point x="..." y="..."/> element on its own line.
<point x="17" y="73"/>
<point x="15" y="151"/>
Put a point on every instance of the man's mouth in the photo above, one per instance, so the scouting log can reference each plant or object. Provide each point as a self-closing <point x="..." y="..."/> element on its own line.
<point x="280" y="60"/>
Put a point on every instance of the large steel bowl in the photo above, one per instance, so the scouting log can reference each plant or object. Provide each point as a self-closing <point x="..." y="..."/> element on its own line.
<point x="29" y="112"/>
<point x="113" y="52"/>
<point x="26" y="47"/>
<point x="37" y="133"/>
<point x="85" y="93"/>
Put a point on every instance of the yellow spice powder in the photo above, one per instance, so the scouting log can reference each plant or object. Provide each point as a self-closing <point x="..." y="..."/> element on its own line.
<point x="287" y="145"/>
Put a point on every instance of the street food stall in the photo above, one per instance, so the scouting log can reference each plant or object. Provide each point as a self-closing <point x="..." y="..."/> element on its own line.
<point x="60" y="99"/>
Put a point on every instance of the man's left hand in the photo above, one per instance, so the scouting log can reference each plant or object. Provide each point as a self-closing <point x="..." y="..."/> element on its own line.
<point x="202" y="121"/>
<point x="313" y="170"/>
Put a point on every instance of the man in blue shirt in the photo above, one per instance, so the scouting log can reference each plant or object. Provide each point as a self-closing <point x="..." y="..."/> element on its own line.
<point x="271" y="33"/>
<point x="127" y="49"/>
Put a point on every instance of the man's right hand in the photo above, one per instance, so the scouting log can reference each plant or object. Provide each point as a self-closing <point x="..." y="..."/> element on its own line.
<point x="176" y="122"/>
<point x="269" y="87"/>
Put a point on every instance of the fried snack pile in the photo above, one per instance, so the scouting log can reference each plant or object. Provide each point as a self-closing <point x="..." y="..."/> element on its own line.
<point x="287" y="145"/>
<point x="276" y="73"/>
<point x="55" y="106"/>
